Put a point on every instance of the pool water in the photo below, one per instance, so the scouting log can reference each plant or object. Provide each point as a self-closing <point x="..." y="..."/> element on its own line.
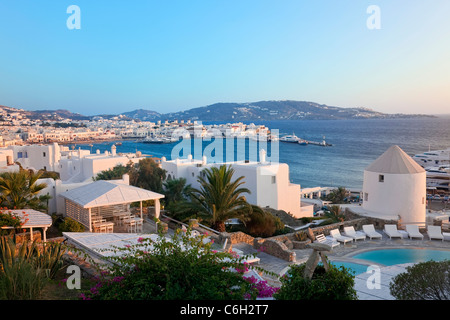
<point x="355" y="268"/>
<point x="391" y="257"/>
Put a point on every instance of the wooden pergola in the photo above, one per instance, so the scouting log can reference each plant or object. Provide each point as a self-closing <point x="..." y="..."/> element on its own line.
<point x="105" y="199"/>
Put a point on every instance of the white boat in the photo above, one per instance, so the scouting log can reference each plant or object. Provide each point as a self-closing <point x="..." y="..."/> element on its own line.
<point x="433" y="158"/>
<point x="290" y="138"/>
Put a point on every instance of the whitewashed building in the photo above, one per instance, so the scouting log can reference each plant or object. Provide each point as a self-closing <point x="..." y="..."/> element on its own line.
<point x="394" y="187"/>
<point x="268" y="183"/>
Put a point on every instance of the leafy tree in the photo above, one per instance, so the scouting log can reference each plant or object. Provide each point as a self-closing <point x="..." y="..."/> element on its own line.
<point x="147" y="175"/>
<point x="423" y="281"/>
<point x="21" y="190"/>
<point x="334" y="284"/>
<point x="220" y="198"/>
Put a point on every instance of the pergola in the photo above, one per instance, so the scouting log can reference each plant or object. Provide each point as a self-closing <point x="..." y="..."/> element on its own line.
<point x="105" y="198"/>
<point x="33" y="219"/>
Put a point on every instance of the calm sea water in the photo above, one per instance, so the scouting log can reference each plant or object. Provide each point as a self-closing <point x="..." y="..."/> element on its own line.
<point x="356" y="144"/>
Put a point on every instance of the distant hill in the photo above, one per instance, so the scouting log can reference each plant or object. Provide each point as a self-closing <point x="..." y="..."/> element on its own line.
<point x="252" y="111"/>
<point x="268" y="110"/>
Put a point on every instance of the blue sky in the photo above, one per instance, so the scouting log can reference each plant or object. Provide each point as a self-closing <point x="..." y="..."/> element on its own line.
<point x="174" y="55"/>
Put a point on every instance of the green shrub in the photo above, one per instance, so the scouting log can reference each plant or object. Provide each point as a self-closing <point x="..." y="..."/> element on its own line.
<point x="181" y="269"/>
<point x="423" y="281"/>
<point x="71" y="225"/>
<point x="336" y="284"/>
<point x="21" y="281"/>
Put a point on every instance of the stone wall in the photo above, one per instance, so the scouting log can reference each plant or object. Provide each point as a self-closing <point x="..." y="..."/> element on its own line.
<point x="275" y="248"/>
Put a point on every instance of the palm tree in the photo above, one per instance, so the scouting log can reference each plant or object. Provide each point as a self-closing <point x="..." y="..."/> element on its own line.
<point x="21" y="190"/>
<point x="339" y="195"/>
<point x="220" y="198"/>
<point x="175" y="190"/>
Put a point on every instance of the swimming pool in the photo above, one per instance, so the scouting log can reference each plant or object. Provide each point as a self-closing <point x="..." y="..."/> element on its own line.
<point x="355" y="267"/>
<point x="391" y="257"/>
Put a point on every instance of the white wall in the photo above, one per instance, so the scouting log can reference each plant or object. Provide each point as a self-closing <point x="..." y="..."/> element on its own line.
<point x="399" y="194"/>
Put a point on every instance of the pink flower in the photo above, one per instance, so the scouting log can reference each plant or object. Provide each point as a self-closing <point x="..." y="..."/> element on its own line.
<point x="140" y="240"/>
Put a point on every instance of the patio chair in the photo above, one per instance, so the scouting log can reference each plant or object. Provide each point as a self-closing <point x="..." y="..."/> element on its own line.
<point x="370" y="232"/>
<point x="337" y="235"/>
<point x="434" y="232"/>
<point x="320" y="238"/>
<point x="356" y="235"/>
<point x="391" y="231"/>
<point x="413" y="231"/>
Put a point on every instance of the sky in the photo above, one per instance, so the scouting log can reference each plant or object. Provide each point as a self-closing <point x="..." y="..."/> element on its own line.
<point x="171" y="55"/>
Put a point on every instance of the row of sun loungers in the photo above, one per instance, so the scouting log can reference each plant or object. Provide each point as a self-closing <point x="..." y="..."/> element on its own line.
<point x="350" y="235"/>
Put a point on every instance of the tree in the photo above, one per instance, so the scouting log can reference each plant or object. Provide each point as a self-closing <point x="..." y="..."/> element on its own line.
<point x="115" y="173"/>
<point x="21" y="190"/>
<point x="338" y="195"/>
<point x="423" y="281"/>
<point x="334" y="284"/>
<point x="175" y="190"/>
<point x="220" y="198"/>
<point x="147" y="175"/>
<point x="335" y="214"/>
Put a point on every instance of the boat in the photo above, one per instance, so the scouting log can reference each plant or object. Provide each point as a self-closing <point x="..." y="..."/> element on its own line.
<point x="433" y="158"/>
<point x="302" y="142"/>
<point x="290" y="138"/>
<point x="118" y="143"/>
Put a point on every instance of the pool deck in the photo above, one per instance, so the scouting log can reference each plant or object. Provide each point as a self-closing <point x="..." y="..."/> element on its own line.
<point x="344" y="253"/>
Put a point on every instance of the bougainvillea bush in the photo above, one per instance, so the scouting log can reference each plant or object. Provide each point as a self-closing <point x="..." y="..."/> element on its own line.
<point x="182" y="268"/>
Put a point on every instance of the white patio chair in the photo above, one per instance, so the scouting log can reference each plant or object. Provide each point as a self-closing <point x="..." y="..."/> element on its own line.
<point x="337" y="235"/>
<point x="370" y="232"/>
<point x="434" y="232"/>
<point x="320" y="238"/>
<point x="356" y="235"/>
<point x="391" y="231"/>
<point x="413" y="231"/>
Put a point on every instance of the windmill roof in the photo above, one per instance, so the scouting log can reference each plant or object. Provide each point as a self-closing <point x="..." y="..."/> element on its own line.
<point x="395" y="160"/>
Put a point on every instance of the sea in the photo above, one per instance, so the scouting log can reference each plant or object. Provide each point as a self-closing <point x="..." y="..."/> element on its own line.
<point x="355" y="145"/>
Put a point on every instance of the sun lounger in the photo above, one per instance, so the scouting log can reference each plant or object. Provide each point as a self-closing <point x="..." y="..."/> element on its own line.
<point x="391" y="231"/>
<point x="355" y="235"/>
<point x="337" y="235"/>
<point x="369" y="230"/>
<point x="434" y="232"/>
<point x="320" y="238"/>
<point x="413" y="231"/>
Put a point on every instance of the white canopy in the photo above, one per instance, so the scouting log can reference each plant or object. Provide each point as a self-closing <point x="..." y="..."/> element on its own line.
<point x="104" y="193"/>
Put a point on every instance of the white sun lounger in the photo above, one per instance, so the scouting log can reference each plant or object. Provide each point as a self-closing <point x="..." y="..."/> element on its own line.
<point x="413" y="231"/>
<point x="391" y="231"/>
<point x="356" y="235"/>
<point x="320" y="238"/>
<point x="337" y="235"/>
<point x="434" y="232"/>
<point x="369" y="230"/>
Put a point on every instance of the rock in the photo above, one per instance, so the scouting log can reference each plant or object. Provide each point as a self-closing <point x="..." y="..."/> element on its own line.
<point x="319" y="246"/>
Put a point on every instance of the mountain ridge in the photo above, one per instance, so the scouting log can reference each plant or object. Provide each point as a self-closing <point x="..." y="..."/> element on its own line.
<point x="229" y="111"/>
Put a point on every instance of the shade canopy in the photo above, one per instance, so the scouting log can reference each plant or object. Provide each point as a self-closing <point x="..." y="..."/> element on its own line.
<point x="394" y="160"/>
<point x="105" y="193"/>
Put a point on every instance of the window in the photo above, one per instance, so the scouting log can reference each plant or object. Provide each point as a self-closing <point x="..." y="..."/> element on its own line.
<point x="423" y="200"/>
<point x="274" y="179"/>
<point x="43" y="154"/>
<point x="381" y="178"/>
<point x="366" y="196"/>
